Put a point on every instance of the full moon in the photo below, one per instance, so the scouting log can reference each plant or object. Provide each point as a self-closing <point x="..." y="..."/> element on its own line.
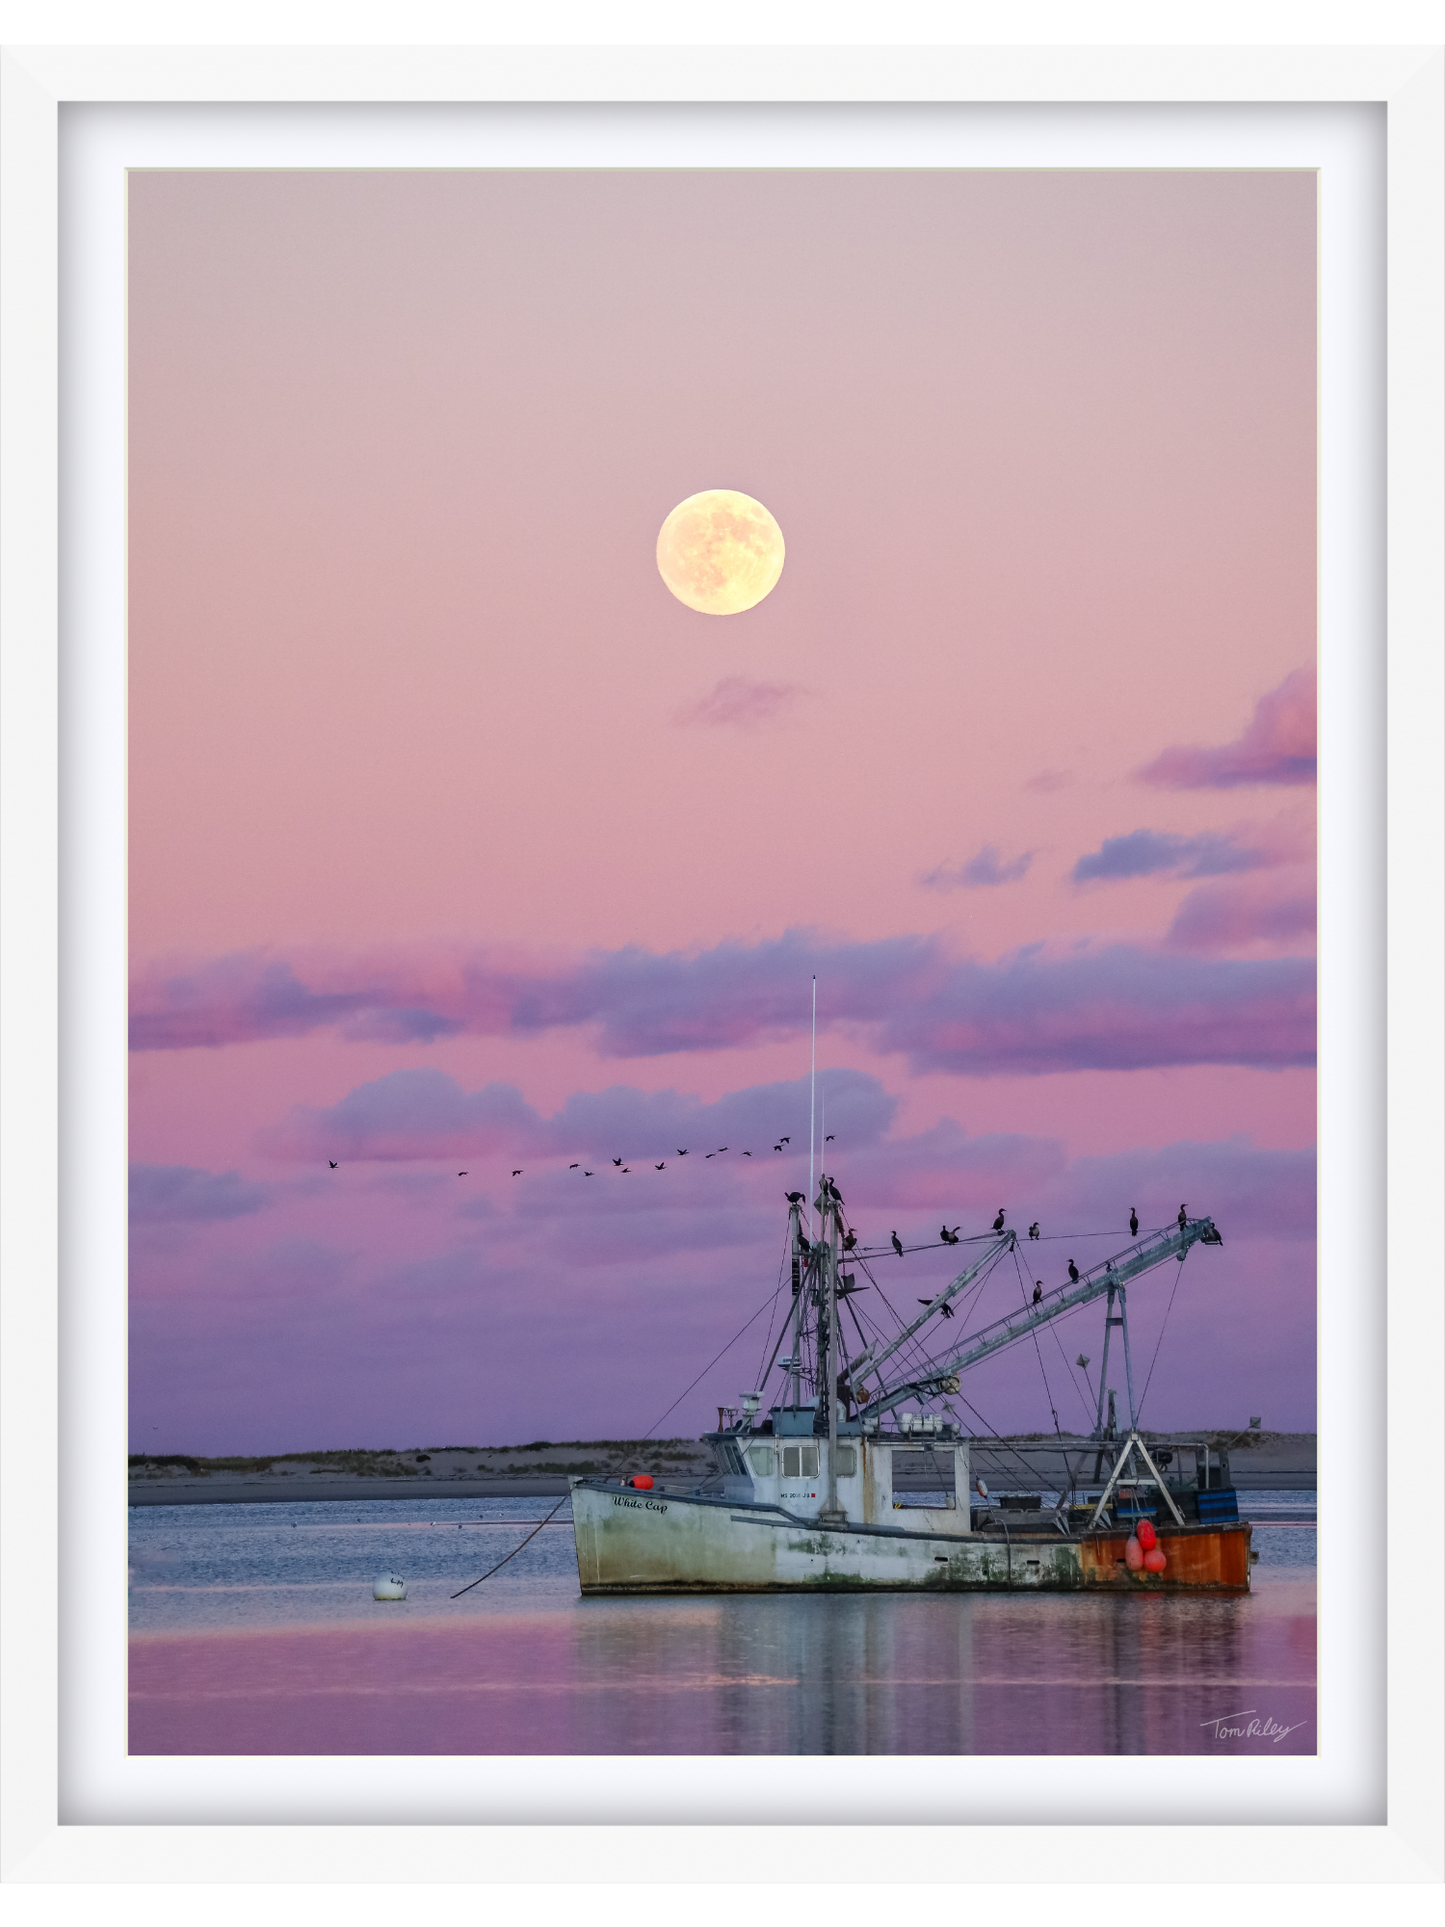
<point x="720" y="552"/>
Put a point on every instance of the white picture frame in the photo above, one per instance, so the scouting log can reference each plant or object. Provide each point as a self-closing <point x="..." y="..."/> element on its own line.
<point x="137" y="1836"/>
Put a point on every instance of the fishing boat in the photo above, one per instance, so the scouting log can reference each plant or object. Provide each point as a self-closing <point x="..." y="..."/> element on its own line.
<point x="825" y="1488"/>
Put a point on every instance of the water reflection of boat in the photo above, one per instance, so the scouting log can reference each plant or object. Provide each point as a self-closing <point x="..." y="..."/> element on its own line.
<point x="804" y="1497"/>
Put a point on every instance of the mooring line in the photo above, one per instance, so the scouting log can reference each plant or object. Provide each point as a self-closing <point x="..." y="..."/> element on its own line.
<point x="516" y="1549"/>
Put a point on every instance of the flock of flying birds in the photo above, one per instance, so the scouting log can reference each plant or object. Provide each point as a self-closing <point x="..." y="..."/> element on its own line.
<point x="850" y="1238"/>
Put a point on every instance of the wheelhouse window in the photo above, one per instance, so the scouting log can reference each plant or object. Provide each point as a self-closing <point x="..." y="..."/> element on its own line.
<point x="800" y="1461"/>
<point x="847" y="1461"/>
<point x="760" y="1457"/>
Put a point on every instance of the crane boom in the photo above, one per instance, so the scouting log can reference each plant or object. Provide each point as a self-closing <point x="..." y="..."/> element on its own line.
<point x="1151" y="1250"/>
<point x="873" y="1357"/>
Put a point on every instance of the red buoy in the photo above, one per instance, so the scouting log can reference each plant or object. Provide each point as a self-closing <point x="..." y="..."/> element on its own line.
<point x="1133" y="1555"/>
<point x="1148" y="1537"/>
<point x="1154" y="1560"/>
<point x="643" y="1481"/>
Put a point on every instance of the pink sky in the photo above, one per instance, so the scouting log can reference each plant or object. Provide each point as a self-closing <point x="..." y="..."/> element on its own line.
<point x="436" y="788"/>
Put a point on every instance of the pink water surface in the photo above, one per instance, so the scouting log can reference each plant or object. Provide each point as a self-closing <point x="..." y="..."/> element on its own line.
<point x="752" y="1675"/>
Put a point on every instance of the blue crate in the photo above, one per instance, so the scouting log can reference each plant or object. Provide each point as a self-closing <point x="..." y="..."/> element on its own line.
<point x="1219" y="1506"/>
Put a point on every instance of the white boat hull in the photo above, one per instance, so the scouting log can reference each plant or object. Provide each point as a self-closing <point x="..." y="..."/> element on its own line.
<point x="638" y="1542"/>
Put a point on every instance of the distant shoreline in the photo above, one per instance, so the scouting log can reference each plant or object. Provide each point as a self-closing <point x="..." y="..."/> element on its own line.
<point x="1265" y="1463"/>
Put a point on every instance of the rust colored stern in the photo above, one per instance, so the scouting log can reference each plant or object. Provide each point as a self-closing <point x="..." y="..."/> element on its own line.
<point x="1212" y="1560"/>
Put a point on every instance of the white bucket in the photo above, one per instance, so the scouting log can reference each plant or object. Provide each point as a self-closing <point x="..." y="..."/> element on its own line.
<point x="388" y="1585"/>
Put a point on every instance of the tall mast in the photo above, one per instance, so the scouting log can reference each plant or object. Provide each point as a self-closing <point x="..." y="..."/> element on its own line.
<point x="832" y="1513"/>
<point x="812" y="1105"/>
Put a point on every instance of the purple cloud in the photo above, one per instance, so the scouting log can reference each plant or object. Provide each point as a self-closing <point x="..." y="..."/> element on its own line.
<point x="980" y="872"/>
<point x="171" y="1193"/>
<point x="738" y="702"/>
<point x="1227" y="916"/>
<point x="424" y="1113"/>
<point x="1278" y="746"/>
<point x="1121" y="1007"/>
<point x="1117" y="1008"/>
<point x="1145" y="853"/>
<point x="430" y="1332"/>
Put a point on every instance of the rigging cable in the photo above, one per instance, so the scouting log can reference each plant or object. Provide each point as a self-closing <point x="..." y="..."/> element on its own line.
<point x="763" y="1362"/>
<point x="1034" y="1333"/>
<point x="1138" y="1413"/>
<point x="646" y="1435"/>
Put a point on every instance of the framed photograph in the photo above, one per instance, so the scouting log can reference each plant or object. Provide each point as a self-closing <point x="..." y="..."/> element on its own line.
<point x="658" y="696"/>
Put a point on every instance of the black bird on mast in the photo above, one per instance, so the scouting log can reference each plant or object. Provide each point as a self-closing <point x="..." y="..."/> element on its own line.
<point x="947" y="1310"/>
<point x="1073" y="1272"/>
<point x="1034" y="1229"/>
<point x="897" y="1243"/>
<point x="850" y="1238"/>
<point x="949" y="1237"/>
<point x="1183" y="1217"/>
<point x="793" y="1197"/>
<point x="1038" y="1290"/>
<point x="1133" y="1221"/>
<point x="998" y="1221"/>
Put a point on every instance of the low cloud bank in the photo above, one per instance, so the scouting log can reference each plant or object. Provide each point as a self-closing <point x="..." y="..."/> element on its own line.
<point x="178" y="1193"/>
<point x="1111" y="1007"/>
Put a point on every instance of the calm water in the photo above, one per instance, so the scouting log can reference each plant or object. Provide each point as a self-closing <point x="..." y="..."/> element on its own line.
<point x="253" y="1630"/>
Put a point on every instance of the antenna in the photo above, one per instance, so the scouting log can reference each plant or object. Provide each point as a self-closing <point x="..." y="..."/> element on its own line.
<point x="812" y="1106"/>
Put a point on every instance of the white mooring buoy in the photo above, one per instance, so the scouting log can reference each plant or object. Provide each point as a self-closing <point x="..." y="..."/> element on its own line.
<point x="388" y="1585"/>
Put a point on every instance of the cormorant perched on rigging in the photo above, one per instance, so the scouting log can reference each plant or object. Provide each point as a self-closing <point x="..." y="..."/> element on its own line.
<point x="949" y="1237"/>
<point x="998" y="1221"/>
<point x="897" y="1243"/>
<point x="850" y="1238"/>
<point x="803" y="1245"/>
<point x="1073" y="1272"/>
<point x="947" y="1310"/>
<point x="1034" y="1229"/>
<point x="1183" y="1217"/>
<point x="1038" y="1290"/>
<point x="793" y="1197"/>
<point x="834" y="1193"/>
<point x="1133" y="1221"/>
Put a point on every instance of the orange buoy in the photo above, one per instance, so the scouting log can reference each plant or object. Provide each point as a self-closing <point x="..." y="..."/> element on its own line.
<point x="1133" y="1556"/>
<point x="1148" y="1537"/>
<point x="1154" y="1560"/>
<point x="643" y="1482"/>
